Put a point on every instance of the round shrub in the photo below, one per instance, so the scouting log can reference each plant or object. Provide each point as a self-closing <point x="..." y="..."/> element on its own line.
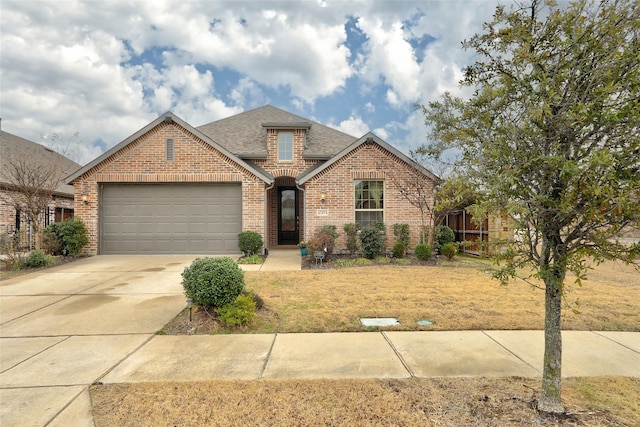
<point x="67" y="237"/>
<point x="443" y="236"/>
<point x="36" y="259"/>
<point x="213" y="282"/>
<point x="250" y="242"/>
<point x="449" y="250"/>
<point x="423" y="252"/>
<point x="399" y="250"/>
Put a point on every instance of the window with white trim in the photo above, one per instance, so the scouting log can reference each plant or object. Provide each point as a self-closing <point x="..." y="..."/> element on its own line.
<point x="369" y="202"/>
<point x="285" y="146"/>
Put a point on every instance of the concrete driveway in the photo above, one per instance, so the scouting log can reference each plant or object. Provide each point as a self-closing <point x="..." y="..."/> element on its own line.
<point x="63" y="328"/>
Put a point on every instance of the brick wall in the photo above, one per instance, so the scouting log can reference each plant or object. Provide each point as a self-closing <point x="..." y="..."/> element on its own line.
<point x="367" y="162"/>
<point x="144" y="161"/>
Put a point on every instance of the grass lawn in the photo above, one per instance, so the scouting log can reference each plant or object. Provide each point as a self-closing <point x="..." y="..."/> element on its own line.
<point x="603" y="401"/>
<point x="454" y="296"/>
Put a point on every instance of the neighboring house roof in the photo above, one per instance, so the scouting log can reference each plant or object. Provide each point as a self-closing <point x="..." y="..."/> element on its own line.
<point x="245" y="134"/>
<point x="368" y="138"/>
<point x="170" y="117"/>
<point x="13" y="147"/>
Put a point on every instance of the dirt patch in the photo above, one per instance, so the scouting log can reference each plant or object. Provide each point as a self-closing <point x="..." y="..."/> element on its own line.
<point x="411" y="402"/>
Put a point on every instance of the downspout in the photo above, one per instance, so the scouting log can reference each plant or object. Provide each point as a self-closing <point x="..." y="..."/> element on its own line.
<point x="304" y="210"/>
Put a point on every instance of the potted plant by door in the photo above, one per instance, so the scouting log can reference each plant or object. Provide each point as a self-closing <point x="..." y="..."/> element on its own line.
<point x="303" y="248"/>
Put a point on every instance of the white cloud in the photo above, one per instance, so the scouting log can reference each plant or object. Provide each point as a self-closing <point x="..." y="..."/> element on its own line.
<point x="105" y="69"/>
<point x="354" y="125"/>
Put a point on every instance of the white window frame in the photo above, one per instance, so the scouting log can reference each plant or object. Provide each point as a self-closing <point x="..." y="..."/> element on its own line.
<point x="285" y="146"/>
<point x="368" y="200"/>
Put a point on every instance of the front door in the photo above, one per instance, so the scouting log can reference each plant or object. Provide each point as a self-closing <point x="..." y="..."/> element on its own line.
<point x="288" y="219"/>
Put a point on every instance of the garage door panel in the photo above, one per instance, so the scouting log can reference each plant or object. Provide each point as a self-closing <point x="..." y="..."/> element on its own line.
<point x="170" y="218"/>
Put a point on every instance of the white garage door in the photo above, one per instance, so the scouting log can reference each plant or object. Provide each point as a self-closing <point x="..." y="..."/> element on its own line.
<point x="170" y="218"/>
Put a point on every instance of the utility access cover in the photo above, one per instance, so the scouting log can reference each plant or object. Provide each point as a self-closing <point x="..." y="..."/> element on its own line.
<point x="379" y="321"/>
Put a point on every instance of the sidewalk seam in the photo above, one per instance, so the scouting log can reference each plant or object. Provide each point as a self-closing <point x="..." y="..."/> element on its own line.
<point x="266" y="360"/>
<point x="511" y="352"/>
<point x="395" y="350"/>
<point x="599" y="333"/>
<point x="119" y="362"/>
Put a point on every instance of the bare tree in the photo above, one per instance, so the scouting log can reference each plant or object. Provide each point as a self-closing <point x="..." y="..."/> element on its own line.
<point x="32" y="175"/>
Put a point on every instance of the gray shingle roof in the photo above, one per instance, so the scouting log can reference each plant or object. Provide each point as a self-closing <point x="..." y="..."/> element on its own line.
<point x="15" y="147"/>
<point x="245" y="136"/>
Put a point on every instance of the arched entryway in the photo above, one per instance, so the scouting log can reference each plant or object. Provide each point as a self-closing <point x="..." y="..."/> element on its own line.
<point x="285" y="213"/>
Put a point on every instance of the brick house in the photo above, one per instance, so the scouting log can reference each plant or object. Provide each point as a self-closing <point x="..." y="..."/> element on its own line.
<point x="23" y="162"/>
<point x="175" y="188"/>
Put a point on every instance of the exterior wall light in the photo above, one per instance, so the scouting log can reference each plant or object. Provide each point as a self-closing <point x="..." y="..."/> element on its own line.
<point x="323" y="197"/>
<point x="85" y="198"/>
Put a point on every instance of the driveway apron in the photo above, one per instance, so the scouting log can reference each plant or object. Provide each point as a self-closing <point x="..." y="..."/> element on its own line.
<point x="63" y="328"/>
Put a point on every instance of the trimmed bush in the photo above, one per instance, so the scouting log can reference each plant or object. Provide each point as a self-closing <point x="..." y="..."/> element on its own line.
<point x="239" y="312"/>
<point x="423" y="252"/>
<point x="250" y="242"/>
<point x="36" y="259"/>
<point x="213" y="282"/>
<point x="67" y="237"/>
<point x="449" y="250"/>
<point x="373" y="240"/>
<point x="399" y="250"/>
<point x="351" y="230"/>
<point x="443" y="236"/>
<point x="402" y="233"/>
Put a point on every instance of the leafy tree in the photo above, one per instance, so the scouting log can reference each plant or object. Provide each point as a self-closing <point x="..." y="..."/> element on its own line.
<point x="551" y="137"/>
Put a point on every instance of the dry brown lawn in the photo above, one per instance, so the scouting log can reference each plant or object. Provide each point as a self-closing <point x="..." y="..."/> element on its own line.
<point x="605" y="401"/>
<point x="454" y="296"/>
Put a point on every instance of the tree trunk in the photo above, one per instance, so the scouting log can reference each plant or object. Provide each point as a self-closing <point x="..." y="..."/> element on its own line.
<point x="552" y="373"/>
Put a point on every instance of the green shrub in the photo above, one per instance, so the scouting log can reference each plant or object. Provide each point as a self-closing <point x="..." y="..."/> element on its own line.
<point x="250" y="242"/>
<point x="449" y="250"/>
<point x="402" y="233"/>
<point x="213" y="282"/>
<point x="251" y="259"/>
<point x="67" y="237"/>
<point x="423" y="252"/>
<point x="399" y="250"/>
<point x="361" y="262"/>
<point x="373" y="240"/>
<point x="443" y="236"/>
<point x="341" y="263"/>
<point x="36" y="259"/>
<point x="382" y="259"/>
<point x="239" y="312"/>
<point x="351" y="230"/>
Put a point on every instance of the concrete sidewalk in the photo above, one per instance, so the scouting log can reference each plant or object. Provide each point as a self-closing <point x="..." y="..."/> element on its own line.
<point x="375" y="355"/>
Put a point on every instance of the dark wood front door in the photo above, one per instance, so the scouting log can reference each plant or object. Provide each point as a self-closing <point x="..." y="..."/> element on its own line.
<point x="288" y="218"/>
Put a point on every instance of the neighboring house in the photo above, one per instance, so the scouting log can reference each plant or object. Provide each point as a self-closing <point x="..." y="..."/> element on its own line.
<point x="21" y="162"/>
<point x="175" y="188"/>
<point x="471" y="234"/>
